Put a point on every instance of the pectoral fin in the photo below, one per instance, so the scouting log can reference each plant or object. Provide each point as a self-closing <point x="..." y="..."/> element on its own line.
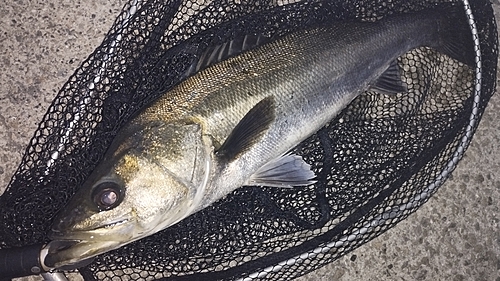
<point x="286" y="171"/>
<point x="390" y="81"/>
<point x="249" y="130"/>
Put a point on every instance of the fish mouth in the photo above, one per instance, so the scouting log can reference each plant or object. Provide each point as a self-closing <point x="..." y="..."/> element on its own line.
<point x="72" y="254"/>
<point x="113" y="224"/>
<point x="55" y="247"/>
<point x="71" y="249"/>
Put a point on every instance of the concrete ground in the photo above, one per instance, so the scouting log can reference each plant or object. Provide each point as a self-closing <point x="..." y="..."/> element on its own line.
<point x="455" y="236"/>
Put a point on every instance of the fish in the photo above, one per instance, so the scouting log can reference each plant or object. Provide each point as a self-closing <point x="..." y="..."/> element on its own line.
<point x="234" y="121"/>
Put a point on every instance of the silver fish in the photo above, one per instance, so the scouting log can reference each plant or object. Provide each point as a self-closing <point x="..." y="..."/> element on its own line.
<point x="233" y="124"/>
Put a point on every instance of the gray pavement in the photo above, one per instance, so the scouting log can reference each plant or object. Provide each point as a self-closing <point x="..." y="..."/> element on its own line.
<point x="454" y="236"/>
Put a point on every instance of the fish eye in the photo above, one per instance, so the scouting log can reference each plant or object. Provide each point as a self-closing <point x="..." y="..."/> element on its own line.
<point x="107" y="195"/>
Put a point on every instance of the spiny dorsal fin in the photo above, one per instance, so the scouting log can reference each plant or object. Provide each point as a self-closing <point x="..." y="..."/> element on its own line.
<point x="286" y="171"/>
<point x="218" y="53"/>
<point x="249" y="130"/>
<point x="390" y="81"/>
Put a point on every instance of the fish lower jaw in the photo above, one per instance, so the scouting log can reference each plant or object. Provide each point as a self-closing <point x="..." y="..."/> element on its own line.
<point x="68" y="253"/>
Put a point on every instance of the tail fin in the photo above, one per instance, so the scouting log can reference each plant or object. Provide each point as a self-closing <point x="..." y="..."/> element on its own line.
<point x="455" y="37"/>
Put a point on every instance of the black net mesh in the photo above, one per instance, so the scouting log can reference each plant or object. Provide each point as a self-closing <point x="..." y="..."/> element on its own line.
<point x="376" y="163"/>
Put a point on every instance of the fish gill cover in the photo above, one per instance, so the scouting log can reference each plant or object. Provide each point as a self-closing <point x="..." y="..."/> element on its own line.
<point x="376" y="162"/>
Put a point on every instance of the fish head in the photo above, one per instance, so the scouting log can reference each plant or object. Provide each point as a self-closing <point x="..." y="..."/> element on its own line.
<point x="151" y="179"/>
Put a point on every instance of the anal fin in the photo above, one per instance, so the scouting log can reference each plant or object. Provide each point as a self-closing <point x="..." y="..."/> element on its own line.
<point x="286" y="171"/>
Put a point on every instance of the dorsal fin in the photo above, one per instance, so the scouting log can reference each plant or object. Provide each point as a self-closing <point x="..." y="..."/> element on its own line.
<point x="234" y="47"/>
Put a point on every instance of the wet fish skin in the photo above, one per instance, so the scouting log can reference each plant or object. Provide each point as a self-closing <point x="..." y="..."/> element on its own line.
<point x="215" y="131"/>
